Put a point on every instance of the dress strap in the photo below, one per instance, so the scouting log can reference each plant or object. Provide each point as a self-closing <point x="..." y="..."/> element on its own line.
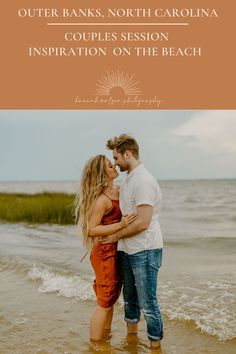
<point x="112" y="200"/>
<point x="108" y="196"/>
<point x="84" y="255"/>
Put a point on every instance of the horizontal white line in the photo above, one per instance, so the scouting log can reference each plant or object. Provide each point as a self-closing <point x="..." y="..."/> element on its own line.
<point x="118" y="24"/>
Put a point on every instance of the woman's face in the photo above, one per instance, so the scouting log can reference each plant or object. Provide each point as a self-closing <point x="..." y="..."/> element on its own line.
<point x="110" y="169"/>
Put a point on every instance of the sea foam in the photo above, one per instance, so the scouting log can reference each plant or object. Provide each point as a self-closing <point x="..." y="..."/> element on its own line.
<point x="71" y="286"/>
<point x="212" y="312"/>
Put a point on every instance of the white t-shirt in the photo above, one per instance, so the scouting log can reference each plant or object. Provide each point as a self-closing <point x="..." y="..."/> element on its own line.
<point x="138" y="188"/>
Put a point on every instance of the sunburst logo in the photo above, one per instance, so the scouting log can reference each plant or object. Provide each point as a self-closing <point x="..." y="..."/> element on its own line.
<point x="117" y="84"/>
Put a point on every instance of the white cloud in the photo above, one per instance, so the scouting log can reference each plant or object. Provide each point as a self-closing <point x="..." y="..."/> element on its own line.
<point x="213" y="131"/>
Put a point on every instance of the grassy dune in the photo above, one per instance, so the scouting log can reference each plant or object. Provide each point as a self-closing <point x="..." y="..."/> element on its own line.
<point x="51" y="208"/>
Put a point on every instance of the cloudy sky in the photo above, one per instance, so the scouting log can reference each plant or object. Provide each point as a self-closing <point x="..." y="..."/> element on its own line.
<point x="54" y="145"/>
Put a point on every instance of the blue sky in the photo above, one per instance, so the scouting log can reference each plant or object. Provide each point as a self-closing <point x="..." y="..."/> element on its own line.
<point x="54" y="145"/>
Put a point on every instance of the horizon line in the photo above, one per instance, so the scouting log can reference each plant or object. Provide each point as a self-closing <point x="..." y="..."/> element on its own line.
<point x="159" y="179"/>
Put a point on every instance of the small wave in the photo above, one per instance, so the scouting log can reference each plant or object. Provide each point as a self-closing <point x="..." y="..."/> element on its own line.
<point x="211" y="311"/>
<point x="223" y="243"/>
<point x="190" y="200"/>
<point x="217" y="285"/>
<point x="75" y="286"/>
<point x="13" y="264"/>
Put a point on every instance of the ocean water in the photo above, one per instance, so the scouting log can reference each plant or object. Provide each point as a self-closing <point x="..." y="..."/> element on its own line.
<point x="47" y="293"/>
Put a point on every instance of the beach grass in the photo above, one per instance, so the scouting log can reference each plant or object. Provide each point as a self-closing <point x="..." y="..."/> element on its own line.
<point x="43" y="208"/>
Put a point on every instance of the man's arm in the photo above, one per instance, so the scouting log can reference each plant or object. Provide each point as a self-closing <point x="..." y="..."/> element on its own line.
<point x="142" y="222"/>
<point x="99" y="210"/>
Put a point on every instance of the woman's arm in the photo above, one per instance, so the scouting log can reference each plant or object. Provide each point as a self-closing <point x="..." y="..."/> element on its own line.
<point x="99" y="210"/>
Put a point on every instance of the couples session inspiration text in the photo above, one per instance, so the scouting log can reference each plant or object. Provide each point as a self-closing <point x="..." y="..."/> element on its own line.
<point x="117" y="32"/>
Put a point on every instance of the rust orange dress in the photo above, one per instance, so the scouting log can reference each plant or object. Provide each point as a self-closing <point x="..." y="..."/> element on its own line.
<point x="107" y="285"/>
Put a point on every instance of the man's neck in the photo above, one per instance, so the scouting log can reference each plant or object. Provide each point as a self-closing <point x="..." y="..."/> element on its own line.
<point x="133" y="165"/>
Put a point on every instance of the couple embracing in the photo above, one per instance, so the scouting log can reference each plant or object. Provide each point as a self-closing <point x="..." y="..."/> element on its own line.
<point x="121" y="229"/>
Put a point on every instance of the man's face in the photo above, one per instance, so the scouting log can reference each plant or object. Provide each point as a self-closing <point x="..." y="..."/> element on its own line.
<point x="120" y="161"/>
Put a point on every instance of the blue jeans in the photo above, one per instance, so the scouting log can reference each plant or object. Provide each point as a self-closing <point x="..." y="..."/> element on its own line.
<point x="139" y="273"/>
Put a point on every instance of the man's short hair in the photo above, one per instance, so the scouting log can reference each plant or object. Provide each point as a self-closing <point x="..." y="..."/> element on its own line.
<point x="123" y="143"/>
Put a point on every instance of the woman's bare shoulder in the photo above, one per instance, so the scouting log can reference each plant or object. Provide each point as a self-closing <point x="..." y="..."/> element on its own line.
<point x="101" y="200"/>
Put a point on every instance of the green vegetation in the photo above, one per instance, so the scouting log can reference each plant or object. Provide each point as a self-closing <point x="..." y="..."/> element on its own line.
<point x="50" y="208"/>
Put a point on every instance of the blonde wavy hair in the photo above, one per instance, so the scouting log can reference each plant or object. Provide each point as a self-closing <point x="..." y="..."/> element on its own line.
<point x="93" y="182"/>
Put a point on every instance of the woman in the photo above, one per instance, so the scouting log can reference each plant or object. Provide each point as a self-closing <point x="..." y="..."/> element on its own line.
<point x="98" y="215"/>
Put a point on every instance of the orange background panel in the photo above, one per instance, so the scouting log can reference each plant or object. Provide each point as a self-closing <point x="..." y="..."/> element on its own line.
<point x="37" y="82"/>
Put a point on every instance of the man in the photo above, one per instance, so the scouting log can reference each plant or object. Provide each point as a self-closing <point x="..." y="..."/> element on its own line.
<point x="140" y="244"/>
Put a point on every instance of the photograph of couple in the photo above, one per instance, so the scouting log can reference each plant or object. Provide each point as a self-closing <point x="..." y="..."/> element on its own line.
<point x="117" y="232"/>
<point x="134" y="226"/>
